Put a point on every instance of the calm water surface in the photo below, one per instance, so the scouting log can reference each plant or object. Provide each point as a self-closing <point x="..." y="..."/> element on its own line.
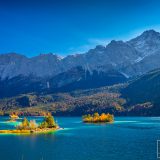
<point x="129" y="138"/>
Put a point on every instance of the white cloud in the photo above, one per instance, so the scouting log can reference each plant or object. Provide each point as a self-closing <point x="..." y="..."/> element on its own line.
<point x="92" y="42"/>
<point x="96" y="41"/>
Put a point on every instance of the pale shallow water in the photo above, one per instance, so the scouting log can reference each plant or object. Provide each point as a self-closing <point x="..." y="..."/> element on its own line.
<point x="129" y="138"/>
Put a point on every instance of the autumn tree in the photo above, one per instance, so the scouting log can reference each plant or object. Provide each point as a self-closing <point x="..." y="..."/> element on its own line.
<point x="48" y="122"/>
<point x="32" y="124"/>
<point x="24" y="125"/>
<point x="96" y="118"/>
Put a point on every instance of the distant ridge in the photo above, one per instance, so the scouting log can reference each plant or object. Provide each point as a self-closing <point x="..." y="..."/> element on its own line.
<point x="127" y="59"/>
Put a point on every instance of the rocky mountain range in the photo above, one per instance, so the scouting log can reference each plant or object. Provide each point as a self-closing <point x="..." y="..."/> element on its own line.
<point x="103" y="63"/>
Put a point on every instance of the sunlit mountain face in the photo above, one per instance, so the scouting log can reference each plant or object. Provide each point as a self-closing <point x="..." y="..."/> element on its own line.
<point x="104" y="65"/>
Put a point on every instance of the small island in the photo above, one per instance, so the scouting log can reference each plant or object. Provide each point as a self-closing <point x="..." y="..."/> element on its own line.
<point x="96" y="118"/>
<point x="14" y="115"/>
<point x="47" y="125"/>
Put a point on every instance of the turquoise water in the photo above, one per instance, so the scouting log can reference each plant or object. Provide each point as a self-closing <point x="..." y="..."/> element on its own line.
<point x="129" y="138"/>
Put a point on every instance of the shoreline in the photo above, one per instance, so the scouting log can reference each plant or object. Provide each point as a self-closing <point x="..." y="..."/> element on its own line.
<point x="91" y="122"/>
<point x="99" y="122"/>
<point x="25" y="131"/>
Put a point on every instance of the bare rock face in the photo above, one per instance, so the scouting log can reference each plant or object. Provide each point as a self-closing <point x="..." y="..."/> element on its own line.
<point x="13" y="64"/>
<point x="147" y="43"/>
<point x="148" y="46"/>
<point x="44" y="65"/>
<point x="131" y="58"/>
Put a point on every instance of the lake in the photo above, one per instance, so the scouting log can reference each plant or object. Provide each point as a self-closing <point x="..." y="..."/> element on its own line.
<point x="129" y="138"/>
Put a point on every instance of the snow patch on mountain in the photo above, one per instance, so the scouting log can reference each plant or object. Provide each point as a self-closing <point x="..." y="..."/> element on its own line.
<point x="139" y="59"/>
<point x="117" y="55"/>
<point x="125" y="75"/>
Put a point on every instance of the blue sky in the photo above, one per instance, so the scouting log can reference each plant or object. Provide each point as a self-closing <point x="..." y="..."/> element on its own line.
<point x="72" y="26"/>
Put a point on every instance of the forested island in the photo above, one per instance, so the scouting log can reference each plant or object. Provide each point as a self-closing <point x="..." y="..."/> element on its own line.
<point x="47" y="125"/>
<point x="96" y="118"/>
<point x="13" y="115"/>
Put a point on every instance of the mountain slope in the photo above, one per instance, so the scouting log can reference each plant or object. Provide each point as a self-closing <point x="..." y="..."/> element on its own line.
<point x="75" y="78"/>
<point x="108" y="65"/>
<point x="147" y="43"/>
<point x="148" y="47"/>
<point x="139" y="97"/>
<point x="117" y="55"/>
<point x="144" y="89"/>
<point x="76" y="103"/>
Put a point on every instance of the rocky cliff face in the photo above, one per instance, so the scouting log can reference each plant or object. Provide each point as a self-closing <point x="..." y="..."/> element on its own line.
<point x="148" y="43"/>
<point x="12" y="65"/>
<point x="134" y="57"/>
<point x="148" y="47"/>
<point x="127" y="59"/>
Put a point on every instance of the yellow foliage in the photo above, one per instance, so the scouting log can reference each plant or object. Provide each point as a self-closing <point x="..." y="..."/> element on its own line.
<point x="13" y="115"/>
<point x="32" y="124"/>
<point x="96" y="118"/>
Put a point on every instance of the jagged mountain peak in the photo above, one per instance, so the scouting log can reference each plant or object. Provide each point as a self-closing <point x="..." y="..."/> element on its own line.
<point x="116" y="55"/>
<point x="13" y="55"/>
<point x="48" y="56"/>
<point x="149" y="36"/>
<point x="100" y="47"/>
<point x="114" y="42"/>
<point x="150" y="32"/>
<point x="147" y="43"/>
<point x="97" y="49"/>
<point x="146" y="36"/>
